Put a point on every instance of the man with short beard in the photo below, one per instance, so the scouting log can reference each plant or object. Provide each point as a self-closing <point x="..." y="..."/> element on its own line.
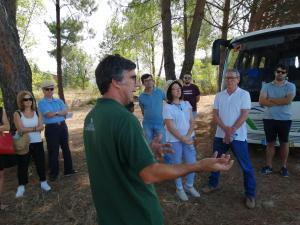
<point x="191" y="92"/>
<point x="277" y="96"/>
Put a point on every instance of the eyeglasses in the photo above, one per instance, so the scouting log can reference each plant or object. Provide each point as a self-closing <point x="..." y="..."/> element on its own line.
<point x="48" y="89"/>
<point x="280" y="71"/>
<point x="230" y="78"/>
<point x="187" y="78"/>
<point x="148" y="80"/>
<point x="27" y="99"/>
<point x="133" y="78"/>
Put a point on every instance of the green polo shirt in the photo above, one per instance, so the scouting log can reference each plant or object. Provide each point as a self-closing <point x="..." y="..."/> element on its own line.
<point x="116" y="151"/>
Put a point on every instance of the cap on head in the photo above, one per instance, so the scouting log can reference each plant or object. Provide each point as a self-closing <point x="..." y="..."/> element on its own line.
<point x="47" y="83"/>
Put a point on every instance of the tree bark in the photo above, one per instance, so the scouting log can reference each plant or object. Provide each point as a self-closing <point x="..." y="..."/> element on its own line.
<point x="58" y="53"/>
<point x="224" y="33"/>
<point x="271" y="13"/>
<point x="153" y="55"/>
<point x="185" y="26"/>
<point x="15" y="73"/>
<point x="169" y="63"/>
<point x="191" y="44"/>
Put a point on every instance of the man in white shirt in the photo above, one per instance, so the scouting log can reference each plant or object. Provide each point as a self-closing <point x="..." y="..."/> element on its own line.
<point x="231" y="108"/>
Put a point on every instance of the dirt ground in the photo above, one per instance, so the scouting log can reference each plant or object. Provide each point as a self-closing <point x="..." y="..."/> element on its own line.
<point x="70" y="202"/>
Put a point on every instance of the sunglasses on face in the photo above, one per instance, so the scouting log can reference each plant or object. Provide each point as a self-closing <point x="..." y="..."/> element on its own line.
<point x="187" y="78"/>
<point x="48" y="89"/>
<point x="27" y="99"/>
<point x="280" y="71"/>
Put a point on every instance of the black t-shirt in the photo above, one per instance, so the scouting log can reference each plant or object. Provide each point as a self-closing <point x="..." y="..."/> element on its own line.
<point x="190" y="94"/>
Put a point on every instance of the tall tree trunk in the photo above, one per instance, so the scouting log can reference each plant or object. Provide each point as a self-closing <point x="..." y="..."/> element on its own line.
<point x="169" y="63"/>
<point x="185" y="26"/>
<point x="58" y="53"/>
<point x="153" y="55"/>
<point x="190" y="49"/>
<point x="224" y="33"/>
<point x="161" y="65"/>
<point x="15" y="73"/>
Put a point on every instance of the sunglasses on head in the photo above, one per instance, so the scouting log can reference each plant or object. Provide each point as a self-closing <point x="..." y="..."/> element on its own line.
<point x="27" y="99"/>
<point x="48" y="89"/>
<point x="281" y="71"/>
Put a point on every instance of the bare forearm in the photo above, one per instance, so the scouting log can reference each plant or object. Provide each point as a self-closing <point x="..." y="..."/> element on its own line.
<point x="280" y="101"/>
<point x="191" y="129"/>
<point x="160" y="172"/>
<point x="266" y="102"/>
<point x="58" y="113"/>
<point x="219" y="122"/>
<point x="239" y="122"/>
<point x="4" y="127"/>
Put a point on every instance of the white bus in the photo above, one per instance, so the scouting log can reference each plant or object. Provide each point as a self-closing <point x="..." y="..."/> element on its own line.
<point x="255" y="55"/>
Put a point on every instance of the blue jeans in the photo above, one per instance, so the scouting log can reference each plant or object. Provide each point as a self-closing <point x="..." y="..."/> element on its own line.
<point x="152" y="130"/>
<point x="195" y="114"/>
<point x="183" y="153"/>
<point x="240" y="150"/>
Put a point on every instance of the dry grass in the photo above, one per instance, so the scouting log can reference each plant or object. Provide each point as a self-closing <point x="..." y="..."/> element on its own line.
<point x="70" y="201"/>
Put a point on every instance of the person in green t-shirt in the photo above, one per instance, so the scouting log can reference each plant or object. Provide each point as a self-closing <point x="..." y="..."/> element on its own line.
<point x="122" y="166"/>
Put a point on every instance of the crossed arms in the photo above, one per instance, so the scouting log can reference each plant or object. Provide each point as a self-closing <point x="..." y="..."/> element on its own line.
<point x="266" y="101"/>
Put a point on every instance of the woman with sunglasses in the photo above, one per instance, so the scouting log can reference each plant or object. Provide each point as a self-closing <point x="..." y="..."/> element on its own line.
<point x="4" y="126"/>
<point x="179" y="122"/>
<point x="28" y="120"/>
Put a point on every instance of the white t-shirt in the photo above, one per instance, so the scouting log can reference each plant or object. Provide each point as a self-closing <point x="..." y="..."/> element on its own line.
<point x="180" y="114"/>
<point x="229" y="107"/>
<point x="34" y="137"/>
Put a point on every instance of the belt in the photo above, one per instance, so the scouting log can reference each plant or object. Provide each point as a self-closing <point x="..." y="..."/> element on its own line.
<point x="56" y="124"/>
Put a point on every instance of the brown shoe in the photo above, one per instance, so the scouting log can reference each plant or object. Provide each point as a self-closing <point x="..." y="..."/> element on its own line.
<point x="208" y="189"/>
<point x="250" y="202"/>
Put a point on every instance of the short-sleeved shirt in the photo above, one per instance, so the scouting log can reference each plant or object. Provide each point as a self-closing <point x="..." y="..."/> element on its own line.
<point x="229" y="107"/>
<point x="180" y="114"/>
<point x="272" y="90"/>
<point x="190" y="94"/>
<point x="51" y="105"/>
<point x="152" y="105"/>
<point x="116" y="151"/>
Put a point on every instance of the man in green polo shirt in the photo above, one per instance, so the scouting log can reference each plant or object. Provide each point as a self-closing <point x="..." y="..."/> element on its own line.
<point x="121" y="164"/>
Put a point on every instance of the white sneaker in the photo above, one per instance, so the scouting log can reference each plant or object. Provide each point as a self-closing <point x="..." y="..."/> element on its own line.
<point x="20" y="191"/>
<point x="182" y="195"/>
<point x="192" y="191"/>
<point x="45" y="186"/>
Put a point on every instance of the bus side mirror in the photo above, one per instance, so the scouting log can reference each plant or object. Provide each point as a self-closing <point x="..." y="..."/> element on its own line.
<point x="216" y="50"/>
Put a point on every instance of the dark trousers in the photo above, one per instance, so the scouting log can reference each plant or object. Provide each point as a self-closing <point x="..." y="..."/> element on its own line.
<point x="57" y="136"/>
<point x="36" y="151"/>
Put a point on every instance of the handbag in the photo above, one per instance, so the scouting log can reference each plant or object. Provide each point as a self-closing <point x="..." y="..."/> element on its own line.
<point x="6" y="144"/>
<point x="21" y="143"/>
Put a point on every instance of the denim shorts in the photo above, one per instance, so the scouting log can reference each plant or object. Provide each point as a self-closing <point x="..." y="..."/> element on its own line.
<point x="274" y="128"/>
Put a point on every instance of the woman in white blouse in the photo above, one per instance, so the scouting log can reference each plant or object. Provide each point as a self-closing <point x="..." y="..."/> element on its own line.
<point x="28" y="120"/>
<point x="179" y="124"/>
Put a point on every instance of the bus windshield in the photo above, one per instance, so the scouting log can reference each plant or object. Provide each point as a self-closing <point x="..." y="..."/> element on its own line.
<point x="256" y="61"/>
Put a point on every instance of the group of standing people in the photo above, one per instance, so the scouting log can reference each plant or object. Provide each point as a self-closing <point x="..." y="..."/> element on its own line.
<point x="29" y="119"/>
<point x="230" y="112"/>
<point x="169" y="115"/>
<point x="121" y="160"/>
